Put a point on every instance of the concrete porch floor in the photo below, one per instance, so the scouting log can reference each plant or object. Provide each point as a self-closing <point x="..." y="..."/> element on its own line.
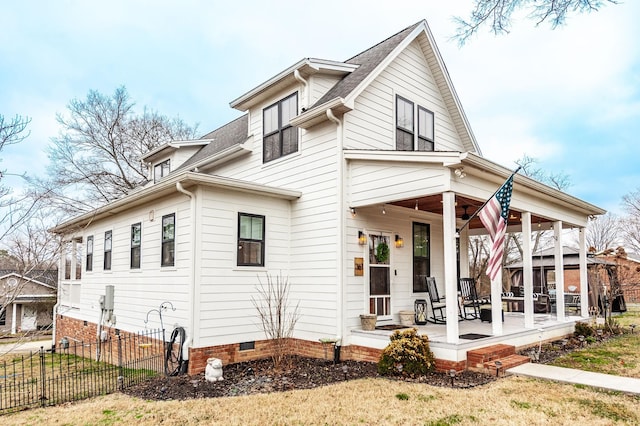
<point x="547" y="327"/>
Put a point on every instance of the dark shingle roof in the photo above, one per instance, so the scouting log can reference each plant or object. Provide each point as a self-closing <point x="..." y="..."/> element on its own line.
<point x="368" y="61"/>
<point x="228" y="135"/>
<point x="236" y="131"/>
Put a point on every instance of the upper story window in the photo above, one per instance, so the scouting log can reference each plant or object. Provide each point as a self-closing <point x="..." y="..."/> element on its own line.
<point x="410" y="137"/>
<point x="89" y="266"/>
<point x="250" y="240"/>
<point x="168" y="239"/>
<point x="160" y="170"/>
<point x="107" y="250"/>
<point x="280" y="138"/>
<point x="136" y="234"/>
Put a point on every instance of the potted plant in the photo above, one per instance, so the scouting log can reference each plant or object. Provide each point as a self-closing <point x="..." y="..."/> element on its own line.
<point x="368" y="321"/>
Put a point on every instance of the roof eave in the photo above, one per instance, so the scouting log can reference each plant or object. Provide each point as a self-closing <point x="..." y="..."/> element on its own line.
<point x="168" y="186"/>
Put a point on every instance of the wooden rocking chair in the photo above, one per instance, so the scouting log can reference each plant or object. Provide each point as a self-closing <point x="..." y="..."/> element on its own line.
<point x="469" y="303"/>
<point x="438" y="305"/>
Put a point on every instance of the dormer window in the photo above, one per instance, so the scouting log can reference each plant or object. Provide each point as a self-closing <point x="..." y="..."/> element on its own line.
<point x="160" y="170"/>
<point x="408" y="138"/>
<point x="280" y="138"/>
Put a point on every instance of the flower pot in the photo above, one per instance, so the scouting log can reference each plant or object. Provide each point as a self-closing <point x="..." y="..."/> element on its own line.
<point x="368" y="321"/>
<point x="406" y="318"/>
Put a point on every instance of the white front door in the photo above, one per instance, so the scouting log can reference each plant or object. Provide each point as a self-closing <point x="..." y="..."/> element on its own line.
<point x="380" y="275"/>
<point x="29" y="316"/>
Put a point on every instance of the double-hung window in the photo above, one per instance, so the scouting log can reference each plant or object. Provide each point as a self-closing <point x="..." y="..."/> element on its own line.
<point x="168" y="239"/>
<point x="280" y="137"/>
<point x="410" y="137"/>
<point x="89" y="266"/>
<point x="108" y="241"/>
<point x="136" y="234"/>
<point x="250" y="240"/>
<point x="161" y="170"/>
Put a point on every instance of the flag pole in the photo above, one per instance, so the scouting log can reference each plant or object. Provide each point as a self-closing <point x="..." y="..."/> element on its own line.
<point x="479" y="209"/>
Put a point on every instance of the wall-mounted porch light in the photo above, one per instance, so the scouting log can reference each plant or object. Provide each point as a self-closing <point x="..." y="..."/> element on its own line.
<point x="353" y="212"/>
<point x="399" y="241"/>
<point x="362" y="239"/>
<point x="460" y="173"/>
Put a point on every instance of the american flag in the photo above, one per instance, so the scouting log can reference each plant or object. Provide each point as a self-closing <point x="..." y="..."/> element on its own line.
<point x="494" y="217"/>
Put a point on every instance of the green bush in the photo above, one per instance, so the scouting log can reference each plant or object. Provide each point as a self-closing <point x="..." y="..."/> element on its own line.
<point x="583" y="329"/>
<point x="408" y="354"/>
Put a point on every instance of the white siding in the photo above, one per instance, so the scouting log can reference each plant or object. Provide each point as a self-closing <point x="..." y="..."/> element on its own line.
<point x="371" y="125"/>
<point x="320" y="84"/>
<point x="373" y="182"/>
<point x="138" y="291"/>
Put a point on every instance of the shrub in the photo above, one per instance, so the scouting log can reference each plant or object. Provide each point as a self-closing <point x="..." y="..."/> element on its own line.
<point x="583" y="329"/>
<point x="408" y="354"/>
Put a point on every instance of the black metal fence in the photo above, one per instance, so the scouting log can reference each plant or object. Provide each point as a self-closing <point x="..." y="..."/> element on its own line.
<point x="79" y="370"/>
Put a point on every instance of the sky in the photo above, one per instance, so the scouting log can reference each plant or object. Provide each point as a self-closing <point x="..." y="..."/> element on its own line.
<point x="569" y="97"/>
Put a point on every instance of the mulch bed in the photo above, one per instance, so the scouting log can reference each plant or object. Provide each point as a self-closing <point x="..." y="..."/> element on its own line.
<point x="254" y="377"/>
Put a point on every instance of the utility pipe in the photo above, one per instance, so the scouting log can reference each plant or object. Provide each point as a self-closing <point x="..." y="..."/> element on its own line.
<point x="192" y="236"/>
<point x="305" y="83"/>
<point x="341" y="223"/>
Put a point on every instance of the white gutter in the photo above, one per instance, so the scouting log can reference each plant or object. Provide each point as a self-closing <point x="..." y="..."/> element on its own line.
<point x="192" y="272"/>
<point x="341" y="223"/>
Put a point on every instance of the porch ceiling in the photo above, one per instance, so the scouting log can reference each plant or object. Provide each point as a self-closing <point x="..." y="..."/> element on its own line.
<point x="433" y="204"/>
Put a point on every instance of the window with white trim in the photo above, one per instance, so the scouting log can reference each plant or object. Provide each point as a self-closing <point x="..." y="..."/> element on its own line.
<point x="250" y="240"/>
<point x="136" y="236"/>
<point x="108" y="242"/>
<point x="168" y="239"/>
<point x="89" y="265"/>
<point x="410" y="137"/>
<point x="279" y="137"/>
<point x="160" y="170"/>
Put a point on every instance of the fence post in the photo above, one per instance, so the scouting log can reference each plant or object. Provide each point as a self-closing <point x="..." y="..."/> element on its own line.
<point x="43" y="376"/>
<point x="120" y="376"/>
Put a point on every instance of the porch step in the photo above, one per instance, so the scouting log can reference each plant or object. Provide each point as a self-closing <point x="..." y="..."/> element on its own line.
<point x="507" y="362"/>
<point x="483" y="360"/>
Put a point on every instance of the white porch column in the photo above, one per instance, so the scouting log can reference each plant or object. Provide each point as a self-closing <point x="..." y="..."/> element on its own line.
<point x="464" y="252"/>
<point x="584" y="274"/>
<point x="13" y="318"/>
<point x="450" y="280"/>
<point x="559" y="269"/>
<point x="527" y="269"/>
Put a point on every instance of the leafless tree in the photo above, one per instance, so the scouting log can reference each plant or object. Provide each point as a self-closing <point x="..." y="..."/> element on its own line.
<point x="277" y="316"/>
<point x="603" y="232"/>
<point x="31" y="254"/>
<point x="498" y="14"/>
<point x="630" y="223"/>
<point x="13" y="131"/>
<point x="96" y="157"/>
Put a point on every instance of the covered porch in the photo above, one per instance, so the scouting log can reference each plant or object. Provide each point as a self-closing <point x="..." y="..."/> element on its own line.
<point x="442" y="191"/>
<point x="477" y="334"/>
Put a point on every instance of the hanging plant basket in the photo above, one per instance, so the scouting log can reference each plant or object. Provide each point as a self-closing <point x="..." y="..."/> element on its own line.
<point x="382" y="252"/>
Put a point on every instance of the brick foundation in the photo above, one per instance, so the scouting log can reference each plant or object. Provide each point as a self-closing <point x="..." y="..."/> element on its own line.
<point x="77" y="330"/>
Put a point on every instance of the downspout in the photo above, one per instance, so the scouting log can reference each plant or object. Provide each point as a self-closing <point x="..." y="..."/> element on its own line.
<point x="190" y="341"/>
<point x="341" y="224"/>
<point x="305" y="83"/>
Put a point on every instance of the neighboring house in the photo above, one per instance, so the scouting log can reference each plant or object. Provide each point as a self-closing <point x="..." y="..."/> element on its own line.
<point x="599" y="270"/>
<point x="348" y="178"/>
<point x="628" y="272"/>
<point x="27" y="300"/>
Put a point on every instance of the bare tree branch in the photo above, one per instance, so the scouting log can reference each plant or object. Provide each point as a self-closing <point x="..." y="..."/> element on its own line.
<point x="498" y="14"/>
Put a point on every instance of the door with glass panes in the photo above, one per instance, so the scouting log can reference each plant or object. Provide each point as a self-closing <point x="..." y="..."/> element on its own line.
<point x="380" y="275"/>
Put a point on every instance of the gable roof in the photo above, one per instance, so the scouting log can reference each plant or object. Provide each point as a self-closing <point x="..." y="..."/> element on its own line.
<point x="373" y="61"/>
<point x="367" y="61"/>
<point x="46" y="278"/>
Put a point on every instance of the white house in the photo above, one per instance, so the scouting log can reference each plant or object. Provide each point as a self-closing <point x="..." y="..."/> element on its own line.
<point x="328" y="155"/>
